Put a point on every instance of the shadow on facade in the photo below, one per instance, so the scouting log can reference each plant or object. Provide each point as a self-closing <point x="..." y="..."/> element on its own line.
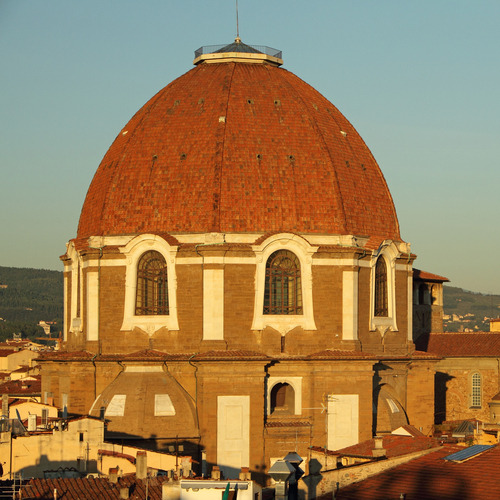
<point x="440" y="387"/>
<point x="46" y="469"/>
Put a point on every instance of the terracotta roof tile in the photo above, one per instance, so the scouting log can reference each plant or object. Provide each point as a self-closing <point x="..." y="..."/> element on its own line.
<point x="230" y="355"/>
<point x="144" y="355"/>
<point x="394" y="445"/>
<point x="93" y="488"/>
<point x="425" y="276"/>
<point x="251" y="148"/>
<point x="479" y="344"/>
<point x="338" y="354"/>
<point x="66" y="356"/>
<point x="430" y="477"/>
<point x="7" y="352"/>
<point x="22" y="386"/>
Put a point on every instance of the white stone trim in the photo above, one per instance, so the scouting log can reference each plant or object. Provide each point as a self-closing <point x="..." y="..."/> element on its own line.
<point x="133" y="251"/>
<point x="304" y="252"/>
<point x="346" y="240"/>
<point x="75" y="325"/>
<point x="143" y="369"/>
<point x="295" y="382"/>
<point x="66" y="305"/>
<point x="389" y="252"/>
<point x="350" y="304"/>
<point x="104" y="241"/>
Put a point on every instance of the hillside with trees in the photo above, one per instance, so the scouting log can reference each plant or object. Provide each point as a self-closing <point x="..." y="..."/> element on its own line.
<point x="28" y="296"/>
<point x="469" y="311"/>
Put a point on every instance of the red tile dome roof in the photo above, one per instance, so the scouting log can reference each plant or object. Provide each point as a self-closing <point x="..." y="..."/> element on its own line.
<point x="239" y="147"/>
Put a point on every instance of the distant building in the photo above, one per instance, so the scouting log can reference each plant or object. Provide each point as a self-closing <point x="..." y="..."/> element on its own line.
<point x="494" y="325"/>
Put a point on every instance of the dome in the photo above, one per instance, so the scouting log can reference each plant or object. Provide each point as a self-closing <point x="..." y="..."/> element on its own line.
<point x="239" y="146"/>
<point x="142" y="401"/>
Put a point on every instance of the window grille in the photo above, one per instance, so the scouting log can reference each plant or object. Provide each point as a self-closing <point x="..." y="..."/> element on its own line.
<point x="152" y="285"/>
<point x="283" y="290"/>
<point x="381" y="308"/>
<point x="476" y="391"/>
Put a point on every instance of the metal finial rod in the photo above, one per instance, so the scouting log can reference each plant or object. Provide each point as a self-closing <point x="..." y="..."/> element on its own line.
<point x="237" y="24"/>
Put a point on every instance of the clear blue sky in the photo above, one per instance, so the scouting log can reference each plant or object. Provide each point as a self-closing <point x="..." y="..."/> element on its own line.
<point x="419" y="80"/>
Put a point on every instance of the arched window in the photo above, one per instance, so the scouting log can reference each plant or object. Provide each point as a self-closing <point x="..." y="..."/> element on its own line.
<point x="381" y="308"/>
<point x="152" y="285"/>
<point x="283" y="291"/>
<point x="475" y="395"/>
<point x="283" y="399"/>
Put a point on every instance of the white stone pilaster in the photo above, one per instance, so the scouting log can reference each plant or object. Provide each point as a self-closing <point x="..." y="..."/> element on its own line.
<point x="65" y="320"/>
<point x="92" y="308"/>
<point x="410" y="306"/>
<point x="213" y="304"/>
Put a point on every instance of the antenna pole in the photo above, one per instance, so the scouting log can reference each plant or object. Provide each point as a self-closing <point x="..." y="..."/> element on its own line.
<point x="237" y="23"/>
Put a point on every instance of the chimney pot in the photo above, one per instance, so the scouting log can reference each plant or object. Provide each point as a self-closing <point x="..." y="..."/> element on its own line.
<point x="245" y="474"/>
<point x="216" y="472"/>
<point x="378" y="450"/>
<point x="113" y="475"/>
<point x="124" y="492"/>
<point x="141" y="465"/>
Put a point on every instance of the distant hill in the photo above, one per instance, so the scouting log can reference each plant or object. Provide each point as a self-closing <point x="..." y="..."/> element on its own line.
<point x="469" y="310"/>
<point x="28" y="296"/>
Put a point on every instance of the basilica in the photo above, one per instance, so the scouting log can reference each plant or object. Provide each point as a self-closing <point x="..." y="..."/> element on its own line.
<point x="238" y="287"/>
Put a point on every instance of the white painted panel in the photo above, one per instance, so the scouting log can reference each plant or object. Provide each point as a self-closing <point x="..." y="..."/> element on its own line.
<point x="350" y="305"/>
<point x="233" y="434"/>
<point x="92" y="306"/>
<point x="213" y="304"/>
<point x="343" y="420"/>
<point x="116" y="407"/>
<point x="66" y="294"/>
<point x="163" y="406"/>
<point x="410" y="307"/>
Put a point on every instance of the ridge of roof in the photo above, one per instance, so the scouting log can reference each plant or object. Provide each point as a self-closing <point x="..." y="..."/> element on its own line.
<point x="426" y="276"/>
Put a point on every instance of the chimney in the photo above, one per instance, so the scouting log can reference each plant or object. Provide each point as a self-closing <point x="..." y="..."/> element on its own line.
<point x="171" y="490"/>
<point x="216" y="472"/>
<point x="245" y="474"/>
<point x="124" y="492"/>
<point x="113" y="475"/>
<point x="141" y="465"/>
<point x="31" y="423"/>
<point x="5" y="405"/>
<point x="378" y="451"/>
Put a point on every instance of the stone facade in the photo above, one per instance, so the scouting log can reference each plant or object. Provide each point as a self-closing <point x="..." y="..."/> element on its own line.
<point x="229" y="166"/>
